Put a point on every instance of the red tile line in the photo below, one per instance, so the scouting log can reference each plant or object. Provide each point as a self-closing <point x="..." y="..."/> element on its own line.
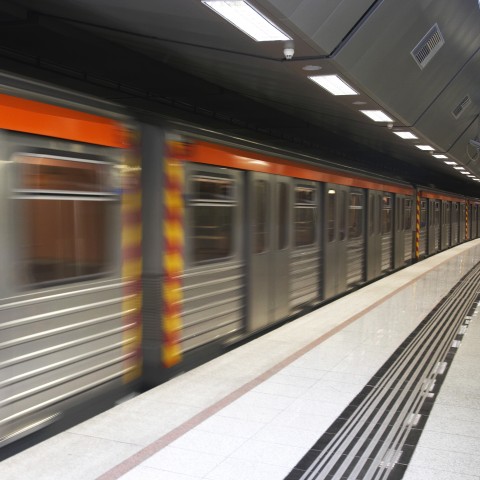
<point x="146" y="452"/>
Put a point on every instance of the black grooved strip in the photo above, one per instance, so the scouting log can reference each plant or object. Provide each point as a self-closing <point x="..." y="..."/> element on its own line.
<point x="372" y="439"/>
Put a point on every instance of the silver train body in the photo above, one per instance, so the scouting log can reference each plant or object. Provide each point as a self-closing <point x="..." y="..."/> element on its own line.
<point x="129" y="261"/>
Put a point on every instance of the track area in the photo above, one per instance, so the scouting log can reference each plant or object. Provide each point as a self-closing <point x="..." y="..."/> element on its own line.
<point x="254" y="412"/>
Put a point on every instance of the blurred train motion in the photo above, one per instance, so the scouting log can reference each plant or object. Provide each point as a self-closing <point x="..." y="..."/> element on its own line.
<point x="130" y="249"/>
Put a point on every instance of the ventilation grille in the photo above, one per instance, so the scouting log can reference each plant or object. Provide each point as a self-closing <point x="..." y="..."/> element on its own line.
<point x="428" y="46"/>
<point x="460" y="108"/>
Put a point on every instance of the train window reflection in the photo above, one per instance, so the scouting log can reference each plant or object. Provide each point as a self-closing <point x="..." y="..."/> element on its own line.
<point x="64" y="204"/>
<point x="343" y="219"/>
<point x="407" y="214"/>
<point x="212" y="208"/>
<point x="260" y="217"/>
<point x="331" y="214"/>
<point x="282" y="216"/>
<point x="53" y="174"/>
<point x="64" y="239"/>
<point x="355" y="215"/>
<point x="386" y="214"/>
<point x="305" y="216"/>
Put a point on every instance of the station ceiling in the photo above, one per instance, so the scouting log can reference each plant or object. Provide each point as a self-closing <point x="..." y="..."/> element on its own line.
<point x="416" y="60"/>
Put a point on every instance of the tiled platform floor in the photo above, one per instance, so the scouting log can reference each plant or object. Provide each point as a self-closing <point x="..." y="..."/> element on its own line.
<point x="253" y="413"/>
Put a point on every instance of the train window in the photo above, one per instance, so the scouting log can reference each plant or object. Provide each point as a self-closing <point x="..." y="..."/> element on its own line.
<point x="64" y="205"/>
<point x="260" y="216"/>
<point x="437" y="213"/>
<point x="371" y="216"/>
<point x="331" y="214"/>
<point x="212" y="207"/>
<point x="282" y="206"/>
<point x="386" y="214"/>
<point x="407" y="214"/>
<point x="55" y="174"/>
<point x="343" y="220"/>
<point x="355" y="215"/>
<point x="423" y="213"/>
<point x="305" y="216"/>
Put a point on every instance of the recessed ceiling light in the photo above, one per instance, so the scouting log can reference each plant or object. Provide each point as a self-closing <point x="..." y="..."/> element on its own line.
<point x="458" y="168"/>
<point x="439" y="155"/>
<point x="247" y="19"/>
<point x="465" y="173"/>
<point x="451" y="163"/>
<point x="377" y="115"/>
<point x="406" y="135"/>
<point x="334" y="84"/>
<point x="359" y="102"/>
<point x="471" y="176"/>
<point x="311" y="68"/>
<point x="425" y="147"/>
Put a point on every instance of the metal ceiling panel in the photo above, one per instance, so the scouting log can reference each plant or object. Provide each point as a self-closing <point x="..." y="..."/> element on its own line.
<point x="379" y="57"/>
<point x="326" y="22"/>
<point x="454" y="110"/>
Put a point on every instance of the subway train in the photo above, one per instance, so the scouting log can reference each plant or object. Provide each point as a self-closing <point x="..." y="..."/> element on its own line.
<point x="132" y="249"/>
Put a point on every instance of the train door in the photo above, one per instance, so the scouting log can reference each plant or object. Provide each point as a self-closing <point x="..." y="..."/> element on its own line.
<point x="335" y="240"/>
<point x="446" y="224"/>
<point x="305" y="258"/>
<point x="455" y="220"/>
<point x="399" y="232"/>
<point x="433" y="226"/>
<point x="374" y="239"/>
<point x="356" y="237"/>
<point x="269" y="249"/>
<point x="422" y="248"/>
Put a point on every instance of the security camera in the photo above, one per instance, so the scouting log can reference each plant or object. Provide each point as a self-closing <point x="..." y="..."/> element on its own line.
<point x="288" y="52"/>
<point x="475" y="144"/>
<point x="288" y="49"/>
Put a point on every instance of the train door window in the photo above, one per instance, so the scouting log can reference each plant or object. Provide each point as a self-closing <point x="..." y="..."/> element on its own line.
<point x="305" y="216"/>
<point x="423" y="213"/>
<point x="260" y="216"/>
<point x="407" y="214"/>
<point x="437" y="213"/>
<point x="387" y="214"/>
<point x="371" y="216"/>
<point x="212" y="207"/>
<point x="331" y="214"/>
<point x="65" y="203"/>
<point x="355" y="215"/>
<point x="282" y="209"/>
<point x="343" y="218"/>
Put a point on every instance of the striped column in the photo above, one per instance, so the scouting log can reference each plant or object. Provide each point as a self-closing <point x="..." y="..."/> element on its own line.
<point x="172" y="256"/>
<point x="132" y="262"/>
<point x="417" y="230"/>
<point x="466" y="220"/>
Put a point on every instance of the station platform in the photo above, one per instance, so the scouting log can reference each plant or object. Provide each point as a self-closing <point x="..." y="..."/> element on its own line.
<point x="255" y="412"/>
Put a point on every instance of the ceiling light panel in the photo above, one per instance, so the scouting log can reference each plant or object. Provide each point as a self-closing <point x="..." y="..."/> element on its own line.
<point x="439" y="155"/>
<point x="243" y="16"/>
<point x="458" y="168"/>
<point x="425" y="147"/>
<point x="406" y="135"/>
<point x="377" y="115"/>
<point x="333" y="84"/>
<point x="451" y="163"/>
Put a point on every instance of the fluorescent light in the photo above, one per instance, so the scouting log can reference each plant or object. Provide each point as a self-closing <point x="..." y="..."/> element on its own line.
<point x="458" y="168"/>
<point x="439" y="155"/>
<point x="406" y="135"/>
<point x="247" y="19"/>
<point x="333" y="84"/>
<point x="465" y="173"/>
<point x="377" y="115"/>
<point x="425" y="147"/>
<point x="471" y="176"/>
<point x="451" y="163"/>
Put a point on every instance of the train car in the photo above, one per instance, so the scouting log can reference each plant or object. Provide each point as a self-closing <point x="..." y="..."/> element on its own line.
<point x="249" y="239"/>
<point x="70" y="259"/>
<point x="443" y="221"/>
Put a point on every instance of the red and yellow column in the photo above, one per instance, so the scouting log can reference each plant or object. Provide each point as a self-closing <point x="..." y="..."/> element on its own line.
<point x="132" y="261"/>
<point x="417" y="230"/>
<point x="173" y="255"/>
